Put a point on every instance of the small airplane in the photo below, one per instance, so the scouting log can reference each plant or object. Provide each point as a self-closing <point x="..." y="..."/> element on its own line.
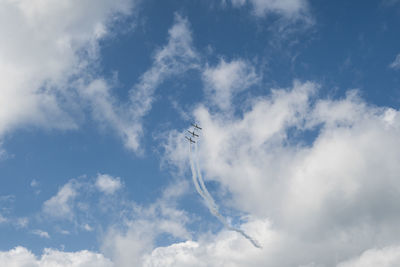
<point x="193" y="134"/>
<point x="196" y="126"/>
<point x="190" y="139"/>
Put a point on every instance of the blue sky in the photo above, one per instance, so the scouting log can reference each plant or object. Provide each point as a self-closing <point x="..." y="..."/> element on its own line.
<point x="299" y="104"/>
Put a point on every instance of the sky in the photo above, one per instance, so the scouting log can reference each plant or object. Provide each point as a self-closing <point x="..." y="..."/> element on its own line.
<point x="298" y="101"/>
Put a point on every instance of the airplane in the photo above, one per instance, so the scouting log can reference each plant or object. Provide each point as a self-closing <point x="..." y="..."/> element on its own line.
<point x="193" y="134"/>
<point x="196" y="126"/>
<point x="190" y="139"/>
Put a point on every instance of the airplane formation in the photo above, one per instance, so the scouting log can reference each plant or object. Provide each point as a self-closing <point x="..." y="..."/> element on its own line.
<point x="195" y="127"/>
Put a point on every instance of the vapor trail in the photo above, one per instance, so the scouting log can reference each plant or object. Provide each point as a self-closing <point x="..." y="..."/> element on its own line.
<point x="194" y="177"/>
<point x="212" y="206"/>
<point x="202" y="185"/>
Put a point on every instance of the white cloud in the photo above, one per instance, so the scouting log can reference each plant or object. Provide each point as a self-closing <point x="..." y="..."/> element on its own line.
<point x="41" y="233"/>
<point x="79" y="200"/>
<point x="323" y="172"/>
<point x="127" y="244"/>
<point x="18" y="257"/>
<point x="291" y="9"/>
<point x="175" y="58"/>
<point x="3" y="219"/>
<point x="390" y="2"/>
<point x="65" y="232"/>
<point x="385" y="257"/>
<point x="43" y="50"/>
<point x="179" y="254"/>
<point x="22" y="257"/>
<point x="107" y="110"/>
<point x="396" y="63"/>
<point x="87" y="227"/>
<point x="51" y="82"/>
<point x="226" y="248"/>
<point x="6" y="208"/>
<point x="35" y="186"/>
<point x="108" y="184"/>
<point x="34" y="183"/>
<point x="317" y="177"/>
<point x="3" y="153"/>
<point x="227" y="79"/>
<point x="82" y="258"/>
<point x="22" y="222"/>
<point x="135" y="227"/>
<point x="61" y="205"/>
<point x="260" y="148"/>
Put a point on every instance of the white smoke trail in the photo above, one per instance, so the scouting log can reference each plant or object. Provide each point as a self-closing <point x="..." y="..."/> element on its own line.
<point x="194" y="177"/>
<point x="212" y="206"/>
<point x="210" y="199"/>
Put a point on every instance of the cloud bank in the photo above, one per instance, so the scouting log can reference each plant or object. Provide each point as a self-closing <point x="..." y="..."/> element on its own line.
<point x="21" y="257"/>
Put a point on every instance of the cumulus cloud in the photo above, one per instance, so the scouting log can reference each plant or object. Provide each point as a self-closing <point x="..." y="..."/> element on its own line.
<point x="322" y="172"/>
<point x="22" y="257"/>
<point x="317" y="178"/>
<point x="45" y="50"/>
<point x="226" y="248"/>
<point x="315" y="181"/>
<point x="396" y="63"/>
<point x="385" y="257"/>
<point x="227" y="79"/>
<point x="108" y="184"/>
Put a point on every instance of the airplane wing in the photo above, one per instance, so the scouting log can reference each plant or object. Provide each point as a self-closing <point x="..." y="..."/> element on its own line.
<point x="196" y="126"/>
<point x="190" y="139"/>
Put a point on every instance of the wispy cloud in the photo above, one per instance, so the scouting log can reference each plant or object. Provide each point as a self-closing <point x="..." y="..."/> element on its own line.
<point x="396" y="63"/>
<point x="3" y="219"/>
<point x="87" y="227"/>
<point x="127" y="244"/>
<point x="41" y="233"/>
<point x="175" y="58"/>
<point x="61" y="205"/>
<point x="291" y="9"/>
<point x="22" y="222"/>
<point x="227" y="79"/>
